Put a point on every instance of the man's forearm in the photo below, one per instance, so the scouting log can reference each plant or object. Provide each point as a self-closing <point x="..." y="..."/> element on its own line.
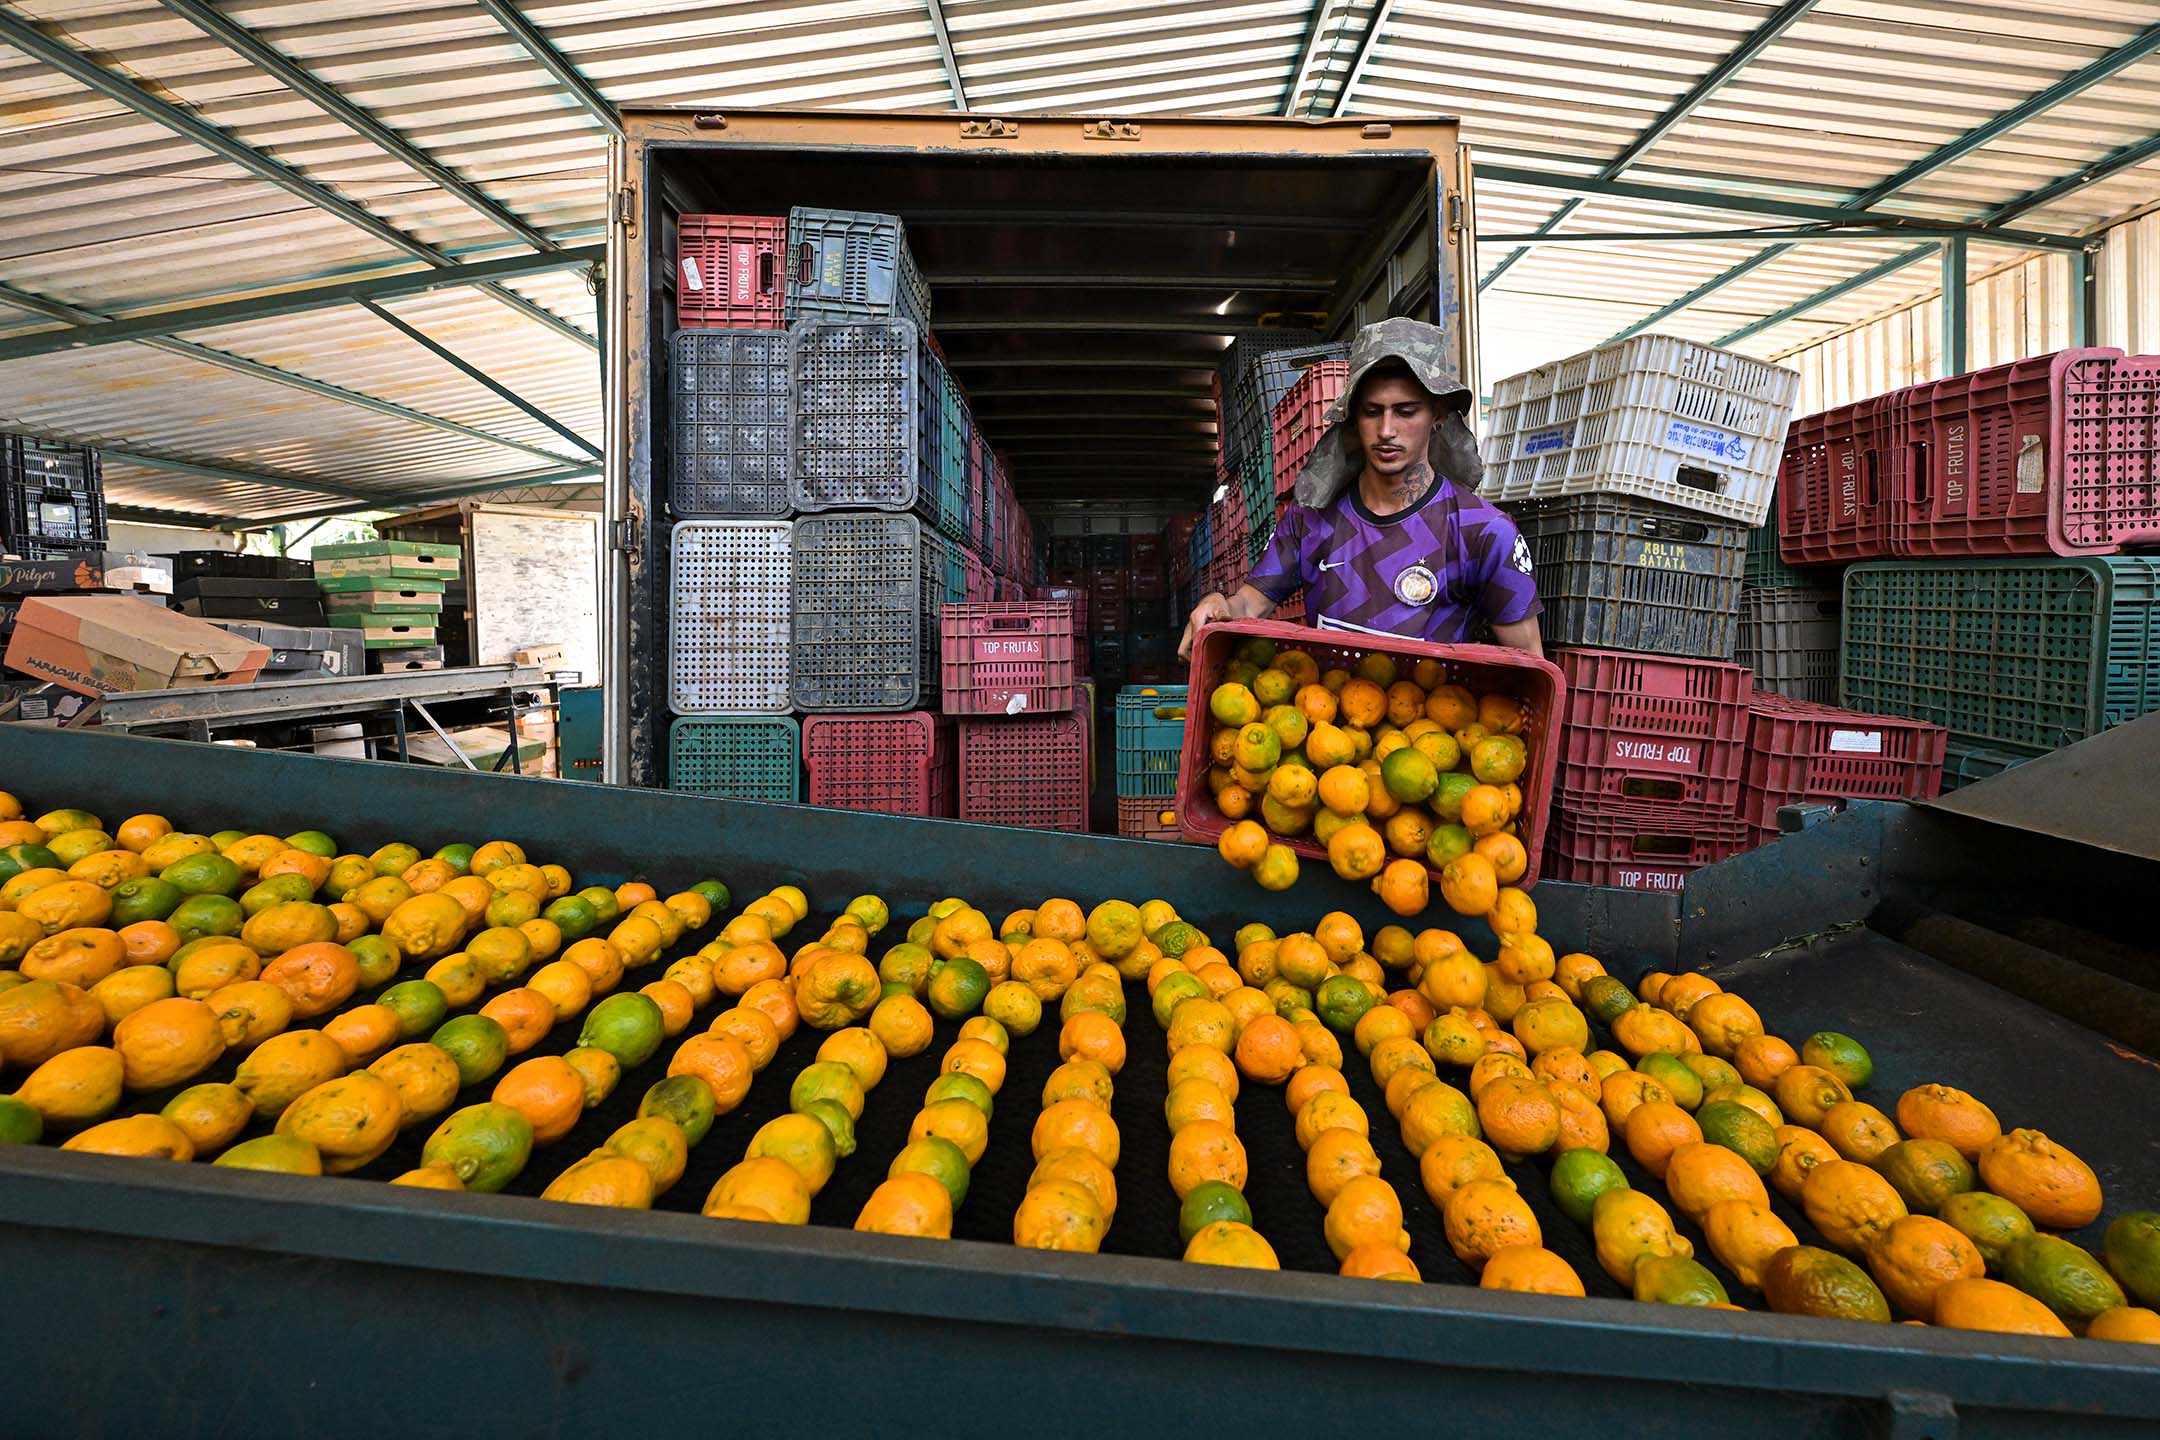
<point x="1250" y="604"/>
<point x="1522" y="635"/>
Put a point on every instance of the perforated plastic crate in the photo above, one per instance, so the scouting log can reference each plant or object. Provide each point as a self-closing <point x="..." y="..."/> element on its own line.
<point x="868" y="590"/>
<point x="731" y="271"/>
<point x="1650" y="734"/>
<point x="982" y="473"/>
<point x="728" y="615"/>
<point x="1007" y="657"/>
<point x="1141" y="818"/>
<point x="1627" y="574"/>
<point x="1968" y="764"/>
<point x="891" y="764"/>
<point x="1246" y="406"/>
<point x="956" y="440"/>
<point x="52" y="498"/>
<point x="868" y="398"/>
<point x="729" y="430"/>
<point x="1838" y="481"/>
<point x="852" y="265"/>
<point x="2017" y="655"/>
<point x="1789" y="639"/>
<point x="742" y="757"/>
<point x="1299" y="418"/>
<point x="1028" y="770"/>
<point x="1799" y="751"/>
<point x="2058" y="454"/>
<point x="1767" y="568"/>
<point x="1148" y="746"/>
<point x="1655" y="416"/>
<point x="1256" y="487"/>
<point x="1638" y="851"/>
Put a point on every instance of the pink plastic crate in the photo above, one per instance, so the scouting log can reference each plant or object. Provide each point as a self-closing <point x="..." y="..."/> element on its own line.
<point x="1299" y="417"/>
<point x="2058" y="454"/>
<point x="1007" y="657"/>
<point x="1141" y="818"/>
<point x="1839" y="480"/>
<point x="1639" y="852"/>
<point x="1029" y="770"/>
<point x="1652" y="733"/>
<point x="891" y="764"/>
<point x="981" y="583"/>
<point x="731" y="272"/>
<point x="1802" y="751"/>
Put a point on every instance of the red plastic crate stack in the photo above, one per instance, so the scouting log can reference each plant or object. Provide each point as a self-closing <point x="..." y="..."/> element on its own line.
<point x="1106" y="602"/>
<point x="731" y="272"/>
<point x="1075" y="599"/>
<point x="1652" y="755"/>
<point x="1299" y="419"/>
<point x="981" y="583"/>
<point x="1007" y="657"/>
<point x="891" y="764"/>
<point x="1028" y="770"/>
<point x="1799" y="751"/>
<point x="1839" y="481"/>
<point x="1140" y="817"/>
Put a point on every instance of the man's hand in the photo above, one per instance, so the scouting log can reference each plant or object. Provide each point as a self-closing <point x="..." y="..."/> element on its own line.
<point x="1210" y="609"/>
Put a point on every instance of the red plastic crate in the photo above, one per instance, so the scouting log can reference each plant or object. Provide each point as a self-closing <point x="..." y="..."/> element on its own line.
<point x="1299" y="418"/>
<point x="1653" y="733"/>
<point x="1029" y="770"/>
<point x="1839" y="480"/>
<point x="1639" y="852"/>
<point x="891" y="764"/>
<point x="731" y="272"/>
<point x="1140" y="818"/>
<point x="1007" y="657"/>
<point x="1484" y="668"/>
<point x="2058" y="454"/>
<point x="1291" y="611"/>
<point x="1798" y="751"/>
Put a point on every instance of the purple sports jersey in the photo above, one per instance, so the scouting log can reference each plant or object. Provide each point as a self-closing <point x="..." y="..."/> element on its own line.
<point x="1427" y="573"/>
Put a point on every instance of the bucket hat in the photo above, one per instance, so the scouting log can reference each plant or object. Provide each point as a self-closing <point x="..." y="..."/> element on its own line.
<point x="1453" y="452"/>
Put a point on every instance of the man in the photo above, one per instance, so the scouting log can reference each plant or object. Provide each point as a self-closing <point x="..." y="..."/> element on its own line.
<point x="1386" y="533"/>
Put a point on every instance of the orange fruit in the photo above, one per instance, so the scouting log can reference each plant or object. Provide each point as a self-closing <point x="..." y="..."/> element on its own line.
<point x="1941" y="1112"/>
<point x="1072" y="1124"/>
<point x="1760" y="1059"/>
<point x="168" y="1041"/>
<point x="425" y="927"/>
<point x="65" y="905"/>
<point x="910" y="1203"/>
<point x="1469" y="884"/>
<point x="425" y="1077"/>
<point x="1088" y="1080"/>
<point x="1850" y="1204"/>
<point x="548" y="1091"/>
<point x="1743" y="1235"/>
<point x="1201" y="1151"/>
<point x="1972" y="1303"/>
<point x="80" y="957"/>
<point x="1529" y="1270"/>
<point x="349" y="1120"/>
<point x="1800" y="1150"/>
<point x="1452" y="1162"/>
<point x="1857" y="1130"/>
<point x="1059" y="1215"/>
<point x="1519" y="1116"/>
<point x="1484" y="1217"/>
<point x="1657" y="1128"/>
<point x="1075" y="1166"/>
<point x="721" y="1062"/>
<point x="1308" y="1081"/>
<point x="1356" y="851"/>
<point x="317" y="977"/>
<point x="1336" y="1158"/>
<point x="1700" y="1175"/>
<point x="140" y="832"/>
<point x="2045" y="1180"/>
<point x="1092" y="1035"/>
<point x="1915" y="1257"/>
<point x="363" y="1032"/>
<point x="752" y="1029"/>
<point x="764" y="1184"/>
<point x="1329" y="1110"/>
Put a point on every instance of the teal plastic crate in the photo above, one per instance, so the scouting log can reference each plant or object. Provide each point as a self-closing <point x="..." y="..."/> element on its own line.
<point x="1256" y="485"/>
<point x="1965" y="764"/>
<point x="1148" y="748"/>
<point x="1766" y="569"/>
<point x="2024" y="656"/>
<point x="741" y="757"/>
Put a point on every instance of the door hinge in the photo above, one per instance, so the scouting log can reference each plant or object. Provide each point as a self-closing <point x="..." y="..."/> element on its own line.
<point x="1455" y="213"/>
<point x="625" y="537"/>
<point x="709" y="122"/>
<point x="989" y="130"/>
<point x="1109" y="130"/>
<point x="626" y="206"/>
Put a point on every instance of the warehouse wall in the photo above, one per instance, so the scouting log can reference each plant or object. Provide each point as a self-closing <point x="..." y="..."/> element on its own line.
<point x="2020" y="310"/>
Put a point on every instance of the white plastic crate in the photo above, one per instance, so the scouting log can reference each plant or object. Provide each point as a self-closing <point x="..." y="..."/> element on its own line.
<point x="1653" y="416"/>
<point x="731" y="594"/>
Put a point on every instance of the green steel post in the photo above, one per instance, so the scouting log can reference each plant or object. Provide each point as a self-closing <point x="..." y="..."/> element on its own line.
<point x="1956" y="341"/>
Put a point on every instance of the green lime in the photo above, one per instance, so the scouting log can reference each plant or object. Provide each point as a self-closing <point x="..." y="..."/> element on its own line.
<point x="1251" y="934"/>
<point x="1992" y="1223"/>
<point x="574" y="916"/>
<point x="1208" y="1202"/>
<point x="937" y="1157"/>
<point x="20" y="1122"/>
<point x="1410" y="775"/>
<point x="1678" y="1080"/>
<point x="1579" y="1177"/>
<point x="200" y="916"/>
<point x="202" y="875"/>
<point x="1924" y="1173"/>
<point x="1177" y="986"/>
<point x="313" y="842"/>
<point x="957" y="988"/>
<point x="144" y="898"/>
<point x="827" y="1080"/>
<point x="685" y="1099"/>
<point x="379" y="959"/>
<point x="715" y="893"/>
<point x="836" y="1119"/>
<point x="286" y="889"/>
<point x="2066" y="1278"/>
<point x="1448" y="841"/>
<point x="1742" y="1131"/>
<point x="2132" y="1248"/>
<point x="282" y="1154"/>
<point x="603" y="902"/>
<point x="487" y="1145"/>
<point x="1291" y="1000"/>
<point x="419" y="1005"/>
<point x="1677" y="1280"/>
<point x="224" y="838"/>
<point x="1841" y="1055"/>
<point x="17" y="858"/>
<point x="1448" y="797"/>
<point x="1605" y="997"/>
<point x="629" y="1026"/>
<point x="1342" y="1001"/>
<point x="458" y="857"/>
<point x="477" y="1043"/>
<point x="956" y="1086"/>
<point x="1175" y="938"/>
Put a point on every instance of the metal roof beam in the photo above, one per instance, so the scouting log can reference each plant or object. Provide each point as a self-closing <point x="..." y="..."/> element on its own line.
<point x="946" y="53"/>
<point x="1828" y="293"/>
<point x="101" y="331"/>
<point x="217" y="140"/>
<point x="459" y="491"/>
<point x="479" y="377"/>
<point x="1784" y="18"/>
<point x="1307" y="53"/>
<point x="151" y="460"/>
<point x="1374" y="24"/>
<point x="250" y="47"/>
<point x="547" y="57"/>
<point x="1806" y="235"/>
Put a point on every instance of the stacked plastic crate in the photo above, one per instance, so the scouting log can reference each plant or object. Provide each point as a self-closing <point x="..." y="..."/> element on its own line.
<point x="1296" y="423"/>
<point x="1007" y="675"/>
<point x="52" y="499"/>
<point x="1150" y="738"/>
<point x="1993" y="512"/>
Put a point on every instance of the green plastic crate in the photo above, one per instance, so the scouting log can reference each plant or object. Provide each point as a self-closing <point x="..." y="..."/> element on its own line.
<point x="1764" y="567"/>
<point x="741" y="757"/>
<point x="1965" y="764"/>
<point x="2024" y="656"/>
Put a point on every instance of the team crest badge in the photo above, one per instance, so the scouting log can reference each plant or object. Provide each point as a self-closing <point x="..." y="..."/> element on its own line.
<point x="1415" y="585"/>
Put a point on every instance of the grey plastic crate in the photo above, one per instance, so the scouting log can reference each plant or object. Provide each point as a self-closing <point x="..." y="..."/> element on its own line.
<point x="729" y="616"/>
<point x="1789" y="637"/>
<point x="1244" y="404"/>
<point x="1618" y="573"/>
<point x="729" y="431"/>
<point x="852" y="265"/>
<point x="868" y="592"/>
<point x="867" y="397"/>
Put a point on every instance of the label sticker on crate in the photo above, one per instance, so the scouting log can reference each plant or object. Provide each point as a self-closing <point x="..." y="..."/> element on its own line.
<point x="1545" y="442"/>
<point x="1856" y="742"/>
<point x="1703" y="440"/>
<point x="2031" y="465"/>
<point x="1655" y="754"/>
<point x="691" y="279"/>
<point x="1026" y="647"/>
<point x="1631" y="879"/>
<point x="1669" y="555"/>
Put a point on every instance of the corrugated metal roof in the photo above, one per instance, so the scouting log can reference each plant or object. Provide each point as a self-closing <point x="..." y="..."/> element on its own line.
<point x="112" y="213"/>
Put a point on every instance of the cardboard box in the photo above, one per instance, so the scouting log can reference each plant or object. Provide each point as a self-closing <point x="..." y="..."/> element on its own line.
<point x="415" y="602"/>
<point x="104" y="644"/>
<point x="481" y="744"/>
<point x="401" y="558"/>
<point x="89" y="570"/>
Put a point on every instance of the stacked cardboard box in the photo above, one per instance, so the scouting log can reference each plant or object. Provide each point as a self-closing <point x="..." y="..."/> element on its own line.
<point x="391" y="593"/>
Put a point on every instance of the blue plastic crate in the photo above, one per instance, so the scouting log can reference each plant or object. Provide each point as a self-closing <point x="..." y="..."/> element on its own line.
<point x="1147" y="747"/>
<point x="741" y="757"/>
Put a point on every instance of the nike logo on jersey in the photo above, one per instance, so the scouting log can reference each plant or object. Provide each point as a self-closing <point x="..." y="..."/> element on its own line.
<point x="1327" y="565"/>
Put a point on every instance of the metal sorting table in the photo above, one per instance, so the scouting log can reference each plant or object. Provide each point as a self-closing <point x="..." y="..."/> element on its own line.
<point x="539" y="1315"/>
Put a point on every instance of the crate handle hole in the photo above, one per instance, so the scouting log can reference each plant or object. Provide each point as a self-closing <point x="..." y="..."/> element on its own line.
<point x="1697" y="478"/>
<point x="768" y="266"/>
<point x="1661" y="846"/>
<point x="1643" y="788"/>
